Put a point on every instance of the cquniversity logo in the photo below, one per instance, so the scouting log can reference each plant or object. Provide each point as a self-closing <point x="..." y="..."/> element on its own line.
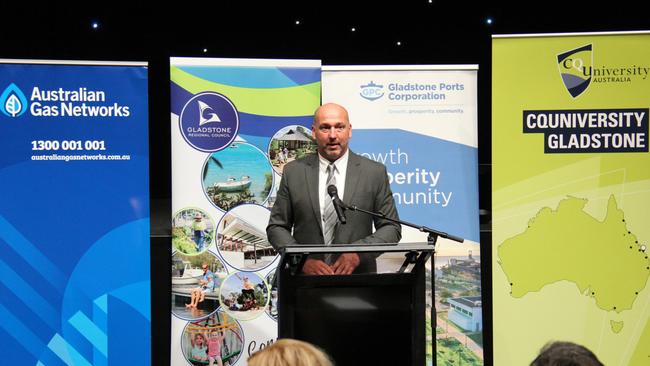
<point x="12" y="101"/>
<point x="209" y="121"/>
<point x="575" y="69"/>
<point x="372" y="91"/>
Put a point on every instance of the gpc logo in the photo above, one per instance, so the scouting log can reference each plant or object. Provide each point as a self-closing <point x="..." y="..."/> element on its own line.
<point x="12" y="101"/>
<point x="372" y="91"/>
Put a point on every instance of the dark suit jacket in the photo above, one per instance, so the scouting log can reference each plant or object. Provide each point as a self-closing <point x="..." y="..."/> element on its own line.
<point x="295" y="217"/>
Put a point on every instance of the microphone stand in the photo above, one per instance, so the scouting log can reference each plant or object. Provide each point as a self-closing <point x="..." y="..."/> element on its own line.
<point x="432" y="238"/>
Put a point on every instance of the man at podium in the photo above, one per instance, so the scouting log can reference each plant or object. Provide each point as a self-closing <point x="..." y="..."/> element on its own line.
<point x="304" y="212"/>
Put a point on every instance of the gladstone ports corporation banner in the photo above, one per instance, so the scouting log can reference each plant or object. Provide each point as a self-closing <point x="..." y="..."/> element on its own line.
<point x="74" y="213"/>
<point x="235" y="124"/>
<point x="421" y="123"/>
<point x="571" y="191"/>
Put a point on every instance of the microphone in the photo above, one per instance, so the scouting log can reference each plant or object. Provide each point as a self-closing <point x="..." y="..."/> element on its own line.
<point x="339" y="206"/>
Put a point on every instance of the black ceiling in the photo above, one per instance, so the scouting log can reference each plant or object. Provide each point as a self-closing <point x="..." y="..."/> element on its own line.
<point x="430" y="32"/>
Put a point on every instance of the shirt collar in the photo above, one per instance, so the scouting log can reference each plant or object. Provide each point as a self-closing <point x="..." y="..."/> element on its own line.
<point x="342" y="161"/>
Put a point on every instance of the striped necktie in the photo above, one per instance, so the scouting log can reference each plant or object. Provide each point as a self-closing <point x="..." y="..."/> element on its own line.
<point x="329" y="214"/>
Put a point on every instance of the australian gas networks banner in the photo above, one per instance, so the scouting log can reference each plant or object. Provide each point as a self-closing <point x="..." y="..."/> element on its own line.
<point x="74" y="213"/>
<point x="421" y="122"/>
<point x="235" y="124"/>
<point x="571" y="194"/>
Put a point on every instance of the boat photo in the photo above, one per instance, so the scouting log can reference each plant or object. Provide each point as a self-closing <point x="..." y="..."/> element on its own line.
<point x="190" y="276"/>
<point x="234" y="185"/>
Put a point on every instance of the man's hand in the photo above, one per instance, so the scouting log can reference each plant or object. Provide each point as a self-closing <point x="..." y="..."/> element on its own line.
<point x="316" y="267"/>
<point x="346" y="263"/>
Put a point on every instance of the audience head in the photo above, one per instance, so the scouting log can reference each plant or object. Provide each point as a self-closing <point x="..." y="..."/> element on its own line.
<point x="289" y="352"/>
<point x="565" y="354"/>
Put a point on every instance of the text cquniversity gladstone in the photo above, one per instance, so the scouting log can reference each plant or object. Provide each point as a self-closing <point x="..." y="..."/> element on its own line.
<point x="590" y="130"/>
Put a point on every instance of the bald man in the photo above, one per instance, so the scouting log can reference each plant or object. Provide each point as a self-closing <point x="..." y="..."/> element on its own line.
<point x="298" y="213"/>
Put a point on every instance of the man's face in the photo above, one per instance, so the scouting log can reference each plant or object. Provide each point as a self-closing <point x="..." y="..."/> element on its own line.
<point x="331" y="130"/>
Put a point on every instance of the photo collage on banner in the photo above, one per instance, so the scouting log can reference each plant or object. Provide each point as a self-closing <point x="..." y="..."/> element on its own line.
<point x="421" y="123"/>
<point x="571" y="191"/>
<point x="235" y="124"/>
<point x="74" y="214"/>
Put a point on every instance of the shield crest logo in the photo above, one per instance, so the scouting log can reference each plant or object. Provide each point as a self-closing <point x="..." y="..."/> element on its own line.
<point x="575" y="69"/>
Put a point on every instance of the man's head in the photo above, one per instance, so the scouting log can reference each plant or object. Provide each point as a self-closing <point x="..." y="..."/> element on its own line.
<point x="205" y="267"/>
<point x="332" y="130"/>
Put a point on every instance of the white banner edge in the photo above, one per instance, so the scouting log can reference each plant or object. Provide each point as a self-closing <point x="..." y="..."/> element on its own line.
<point x="469" y="67"/>
<point x="72" y="62"/>
<point x="532" y="35"/>
<point x="243" y="62"/>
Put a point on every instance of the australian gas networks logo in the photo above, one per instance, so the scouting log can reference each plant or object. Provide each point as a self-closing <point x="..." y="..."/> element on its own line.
<point x="60" y="102"/>
<point x="372" y="91"/>
<point x="578" y="71"/>
<point x="13" y="102"/>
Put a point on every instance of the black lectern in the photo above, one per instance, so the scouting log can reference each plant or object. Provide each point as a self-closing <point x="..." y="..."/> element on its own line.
<point x="359" y="319"/>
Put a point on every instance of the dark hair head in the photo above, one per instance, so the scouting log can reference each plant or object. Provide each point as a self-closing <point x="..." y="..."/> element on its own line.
<point x="565" y="354"/>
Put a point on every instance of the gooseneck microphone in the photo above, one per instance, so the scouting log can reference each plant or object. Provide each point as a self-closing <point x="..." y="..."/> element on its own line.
<point x="339" y="206"/>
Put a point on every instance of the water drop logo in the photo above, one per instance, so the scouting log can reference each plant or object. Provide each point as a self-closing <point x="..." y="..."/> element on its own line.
<point x="12" y="101"/>
<point x="575" y="68"/>
<point x="372" y="91"/>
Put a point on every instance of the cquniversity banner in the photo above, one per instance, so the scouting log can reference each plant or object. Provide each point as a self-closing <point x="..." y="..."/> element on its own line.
<point x="74" y="214"/>
<point x="570" y="195"/>
<point x="421" y="122"/>
<point x="235" y="124"/>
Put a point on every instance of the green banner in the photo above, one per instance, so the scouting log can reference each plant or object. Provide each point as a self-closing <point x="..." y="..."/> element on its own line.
<point x="571" y="191"/>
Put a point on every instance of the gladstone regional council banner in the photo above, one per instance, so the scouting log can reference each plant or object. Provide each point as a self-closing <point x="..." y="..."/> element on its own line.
<point x="74" y="213"/>
<point x="235" y="124"/>
<point x="421" y="123"/>
<point x="571" y="191"/>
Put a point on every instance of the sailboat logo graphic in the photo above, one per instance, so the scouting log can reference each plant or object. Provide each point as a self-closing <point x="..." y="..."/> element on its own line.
<point x="209" y="107"/>
<point x="206" y="114"/>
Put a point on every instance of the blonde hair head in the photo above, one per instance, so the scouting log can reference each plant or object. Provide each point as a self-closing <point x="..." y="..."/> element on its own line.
<point x="290" y="352"/>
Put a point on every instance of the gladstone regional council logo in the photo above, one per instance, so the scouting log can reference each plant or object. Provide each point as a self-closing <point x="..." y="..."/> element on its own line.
<point x="372" y="91"/>
<point x="575" y="68"/>
<point x="13" y="102"/>
<point x="209" y="121"/>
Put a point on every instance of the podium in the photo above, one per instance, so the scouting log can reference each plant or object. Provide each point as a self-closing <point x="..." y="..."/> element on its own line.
<point x="358" y="319"/>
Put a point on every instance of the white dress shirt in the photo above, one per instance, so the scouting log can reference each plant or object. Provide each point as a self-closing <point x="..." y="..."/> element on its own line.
<point x="341" y="169"/>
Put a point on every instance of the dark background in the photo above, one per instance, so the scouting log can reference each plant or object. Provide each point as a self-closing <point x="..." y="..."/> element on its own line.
<point x="430" y="32"/>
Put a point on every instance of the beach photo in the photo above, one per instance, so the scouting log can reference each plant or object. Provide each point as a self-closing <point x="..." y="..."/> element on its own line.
<point x="288" y="144"/>
<point x="241" y="238"/>
<point x="244" y="295"/>
<point x="195" y="284"/>
<point x="213" y="341"/>
<point x="192" y="231"/>
<point x="240" y="173"/>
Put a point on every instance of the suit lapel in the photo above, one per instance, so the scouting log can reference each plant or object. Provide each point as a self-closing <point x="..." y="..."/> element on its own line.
<point x="352" y="177"/>
<point x="311" y="177"/>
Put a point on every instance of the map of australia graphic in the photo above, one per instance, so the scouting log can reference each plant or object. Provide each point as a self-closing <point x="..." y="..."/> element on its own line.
<point x="604" y="259"/>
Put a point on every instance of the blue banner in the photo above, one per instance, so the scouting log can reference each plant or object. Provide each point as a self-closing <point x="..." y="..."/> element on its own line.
<point x="74" y="214"/>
